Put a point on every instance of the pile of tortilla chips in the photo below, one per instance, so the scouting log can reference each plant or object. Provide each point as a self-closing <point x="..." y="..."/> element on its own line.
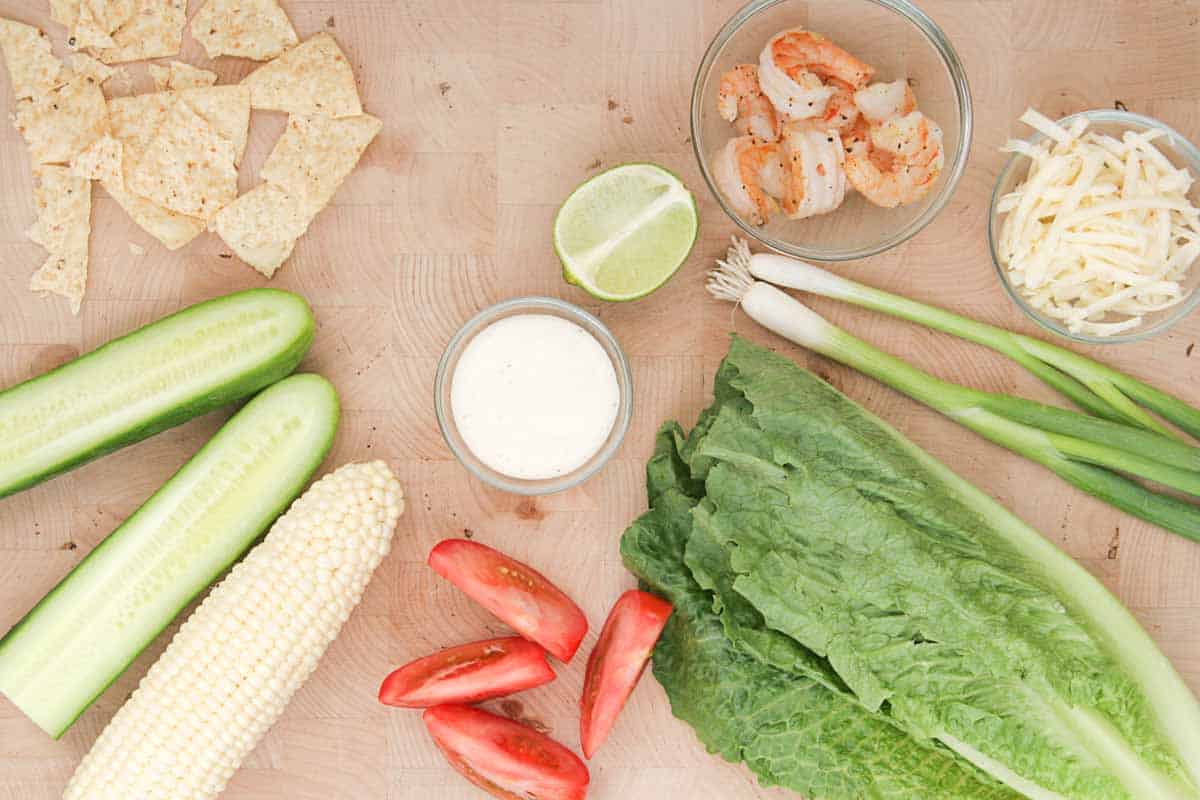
<point x="170" y="158"/>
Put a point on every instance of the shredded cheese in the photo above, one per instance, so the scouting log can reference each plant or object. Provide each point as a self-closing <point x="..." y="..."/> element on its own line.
<point x="1101" y="232"/>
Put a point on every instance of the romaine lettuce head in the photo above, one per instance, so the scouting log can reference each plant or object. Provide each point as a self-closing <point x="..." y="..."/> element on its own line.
<point x="831" y="577"/>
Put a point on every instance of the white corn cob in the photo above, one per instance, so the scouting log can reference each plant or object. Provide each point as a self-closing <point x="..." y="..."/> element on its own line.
<point x="234" y="665"/>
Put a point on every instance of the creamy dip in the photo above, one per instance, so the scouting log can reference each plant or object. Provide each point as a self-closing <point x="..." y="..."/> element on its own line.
<point x="534" y="396"/>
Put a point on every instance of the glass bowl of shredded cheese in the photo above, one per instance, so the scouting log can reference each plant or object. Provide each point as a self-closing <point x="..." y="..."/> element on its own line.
<point x="1095" y="225"/>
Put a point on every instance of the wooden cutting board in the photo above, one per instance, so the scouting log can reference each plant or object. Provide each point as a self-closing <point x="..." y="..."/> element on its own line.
<point x="493" y="112"/>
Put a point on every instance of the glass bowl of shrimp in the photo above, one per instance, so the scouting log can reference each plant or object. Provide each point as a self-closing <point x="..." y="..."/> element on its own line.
<point x="831" y="130"/>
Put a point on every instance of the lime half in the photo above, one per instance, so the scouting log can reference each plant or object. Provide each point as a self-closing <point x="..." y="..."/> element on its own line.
<point x="625" y="232"/>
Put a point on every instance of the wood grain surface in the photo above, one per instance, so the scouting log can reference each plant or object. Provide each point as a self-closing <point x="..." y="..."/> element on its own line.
<point x="494" y="110"/>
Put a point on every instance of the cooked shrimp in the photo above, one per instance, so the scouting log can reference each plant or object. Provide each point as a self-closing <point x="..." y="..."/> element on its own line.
<point x="898" y="162"/>
<point x="740" y="171"/>
<point x="740" y="100"/>
<point x="816" y="180"/>
<point x="803" y="96"/>
<point x="905" y="183"/>
<point x="758" y="119"/>
<point x="857" y="142"/>
<point x="796" y="64"/>
<point x="880" y="102"/>
<point x="913" y="138"/>
<point x="796" y="50"/>
<point x="841" y="114"/>
<point x="774" y="174"/>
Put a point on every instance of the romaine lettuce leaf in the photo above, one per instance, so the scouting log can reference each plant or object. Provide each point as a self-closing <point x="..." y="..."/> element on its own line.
<point x="790" y="729"/>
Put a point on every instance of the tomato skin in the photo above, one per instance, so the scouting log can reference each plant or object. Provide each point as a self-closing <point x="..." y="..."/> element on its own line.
<point x="617" y="663"/>
<point x="470" y="673"/>
<point x="504" y="758"/>
<point x="516" y="593"/>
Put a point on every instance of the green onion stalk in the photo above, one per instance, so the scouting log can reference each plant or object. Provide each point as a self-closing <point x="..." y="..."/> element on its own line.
<point x="1094" y="453"/>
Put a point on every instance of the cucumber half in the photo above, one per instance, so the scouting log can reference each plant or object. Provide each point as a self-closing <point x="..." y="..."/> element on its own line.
<point x="159" y="376"/>
<point x="90" y="627"/>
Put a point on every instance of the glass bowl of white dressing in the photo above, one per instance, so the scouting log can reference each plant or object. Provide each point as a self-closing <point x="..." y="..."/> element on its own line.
<point x="533" y="395"/>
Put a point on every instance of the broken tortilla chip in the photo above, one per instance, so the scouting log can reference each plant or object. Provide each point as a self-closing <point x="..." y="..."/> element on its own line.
<point x="154" y="31"/>
<point x="262" y="226"/>
<point x="64" y="12"/>
<point x="226" y="109"/>
<point x="303" y="172"/>
<point x="256" y="29"/>
<point x="312" y="78"/>
<point x="32" y="68"/>
<point x="161" y="76"/>
<point x="61" y="124"/>
<point x="97" y="20"/>
<point x="188" y="167"/>
<point x="101" y="161"/>
<point x="135" y="121"/>
<point x="64" y="206"/>
<point x="83" y="64"/>
<point x="178" y="75"/>
<point x="316" y="153"/>
<point x="172" y="229"/>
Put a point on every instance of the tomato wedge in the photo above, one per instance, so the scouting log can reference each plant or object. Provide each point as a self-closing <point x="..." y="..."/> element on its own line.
<point x="616" y="664"/>
<point x="470" y="673"/>
<point x="504" y="758"/>
<point x="516" y="593"/>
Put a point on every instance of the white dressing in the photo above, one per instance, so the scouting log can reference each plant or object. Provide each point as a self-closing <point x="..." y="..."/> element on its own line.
<point x="534" y="396"/>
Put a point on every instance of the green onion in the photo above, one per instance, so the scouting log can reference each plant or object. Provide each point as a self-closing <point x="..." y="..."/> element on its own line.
<point x="1092" y="386"/>
<point x="1094" y="454"/>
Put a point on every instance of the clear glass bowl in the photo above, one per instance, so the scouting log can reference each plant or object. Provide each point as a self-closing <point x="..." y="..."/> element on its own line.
<point x="900" y="41"/>
<point x="445" y="378"/>
<point x="1176" y="148"/>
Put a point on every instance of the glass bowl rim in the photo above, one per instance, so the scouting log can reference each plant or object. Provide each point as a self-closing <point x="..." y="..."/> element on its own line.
<point x="962" y="91"/>
<point x="493" y="313"/>
<point x="1188" y="151"/>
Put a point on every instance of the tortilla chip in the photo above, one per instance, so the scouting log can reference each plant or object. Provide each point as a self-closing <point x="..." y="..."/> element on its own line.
<point x="59" y="125"/>
<point x="135" y="122"/>
<point x="226" y="109"/>
<point x="64" y="12"/>
<point x="64" y="204"/>
<point x="257" y="29"/>
<point x="83" y="64"/>
<point x="262" y="226"/>
<point x="178" y="75"/>
<point x="98" y="19"/>
<point x="154" y="31"/>
<point x="173" y="230"/>
<point x="101" y="161"/>
<point x="311" y="78"/>
<point x="161" y="76"/>
<point x="32" y="68"/>
<point x="316" y="153"/>
<point x="64" y="275"/>
<point x="188" y="168"/>
<point x="62" y="200"/>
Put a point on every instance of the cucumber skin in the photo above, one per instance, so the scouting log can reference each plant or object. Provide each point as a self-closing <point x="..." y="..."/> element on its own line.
<point x="274" y="513"/>
<point x="270" y="372"/>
